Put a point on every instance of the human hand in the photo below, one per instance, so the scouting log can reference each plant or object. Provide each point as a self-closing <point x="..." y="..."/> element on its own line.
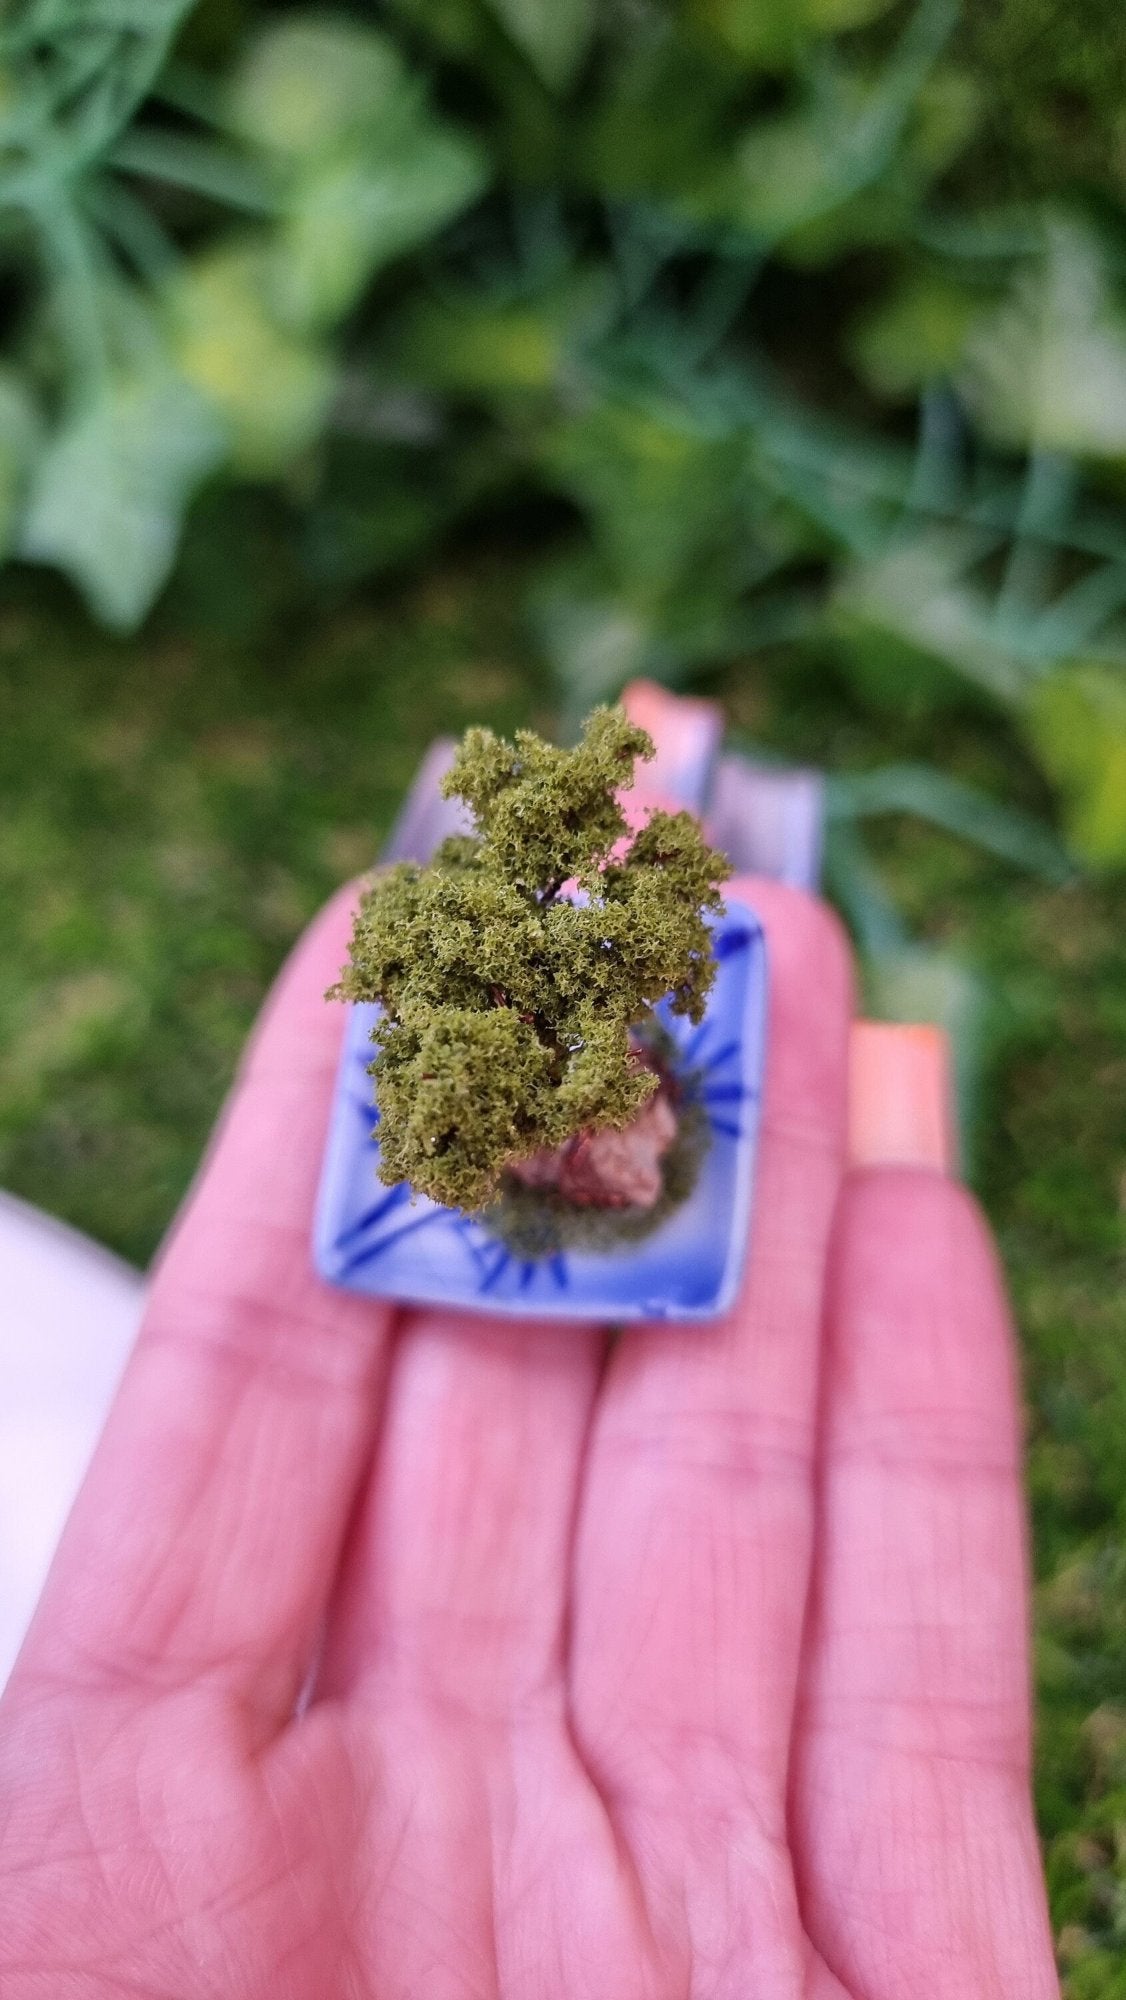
<point x="685" y="1670"/>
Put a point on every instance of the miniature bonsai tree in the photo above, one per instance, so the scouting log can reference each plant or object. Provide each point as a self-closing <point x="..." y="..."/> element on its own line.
<point x="511" y="1006"/>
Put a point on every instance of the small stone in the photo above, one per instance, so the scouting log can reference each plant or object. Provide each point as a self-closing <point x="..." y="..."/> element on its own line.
<point x="608" y="1169"/>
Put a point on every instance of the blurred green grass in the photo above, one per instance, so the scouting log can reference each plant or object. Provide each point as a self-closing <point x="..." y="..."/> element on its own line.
<point x="175" y="807"/>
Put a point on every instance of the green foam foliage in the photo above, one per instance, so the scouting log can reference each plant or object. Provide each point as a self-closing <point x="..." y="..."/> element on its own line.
<point x="508" y="1008"/>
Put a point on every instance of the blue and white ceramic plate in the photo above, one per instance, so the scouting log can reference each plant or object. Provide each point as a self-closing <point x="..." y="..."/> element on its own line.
<point x="392" y="1245"/>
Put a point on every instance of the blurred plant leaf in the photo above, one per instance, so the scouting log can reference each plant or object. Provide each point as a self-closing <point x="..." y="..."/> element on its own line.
<point x="384" y="493"/>
<point x="1076" y="719"/>
<point x="21" y="432"/>
<point x="376" y="508"/>
<point x="351" y="215"/>
<point x="857" y="888"/>
<point x="947" y="111"/>
<point x="366" y="171"/>
<point x="862" y="154"/>
<point x="531" y="135"/>
<point x="109" y="493"/>
<point x="834" y="17"/>
<point x="456" y="27"/>
<point x="913" y="336"/>
<point x="659" y="481"/>
<point x="791" y="171"/>
<point x="929" y="794"/>
<point x="758" y="33"/>
<point x="314" y="85"/>
<point x="489" y="346"/>
<point x="478" y="347"/>
<point x="552" y="34"/>
<point x="198" y="165"/>
<point x="786" y="172"/>
<point x="76" y="74"/>
<point x="661" y="120"/>
<point x="915" y="610"/>
<point x="1048" y="368"/>
<point x="600" y="628"/>
<point x="593" y="639"/>
<point x="271" y="386"/>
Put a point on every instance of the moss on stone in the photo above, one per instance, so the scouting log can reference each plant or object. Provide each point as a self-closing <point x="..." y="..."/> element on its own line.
<point x="539" y="1222"/>
<point x="507" y="1005"/>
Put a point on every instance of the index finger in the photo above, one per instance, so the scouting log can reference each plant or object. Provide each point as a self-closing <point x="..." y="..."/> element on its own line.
<point x="206" y="1536"/>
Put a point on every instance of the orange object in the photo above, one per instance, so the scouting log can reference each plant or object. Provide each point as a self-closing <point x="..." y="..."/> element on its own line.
<point x="900" y="1110"/>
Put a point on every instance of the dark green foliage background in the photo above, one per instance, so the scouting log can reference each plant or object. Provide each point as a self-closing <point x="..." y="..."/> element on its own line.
<point x="557" y="434"/>
<point x="1057" y="86"/>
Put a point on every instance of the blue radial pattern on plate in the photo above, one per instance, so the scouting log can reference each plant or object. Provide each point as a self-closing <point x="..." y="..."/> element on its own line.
<point x="392" y="1245"/>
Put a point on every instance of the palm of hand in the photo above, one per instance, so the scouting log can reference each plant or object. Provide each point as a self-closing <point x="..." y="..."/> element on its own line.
<point x="695" y="1669"/>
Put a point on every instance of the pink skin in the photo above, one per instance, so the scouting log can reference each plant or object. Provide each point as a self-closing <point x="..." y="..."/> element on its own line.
<point x="691" y="1671"/>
